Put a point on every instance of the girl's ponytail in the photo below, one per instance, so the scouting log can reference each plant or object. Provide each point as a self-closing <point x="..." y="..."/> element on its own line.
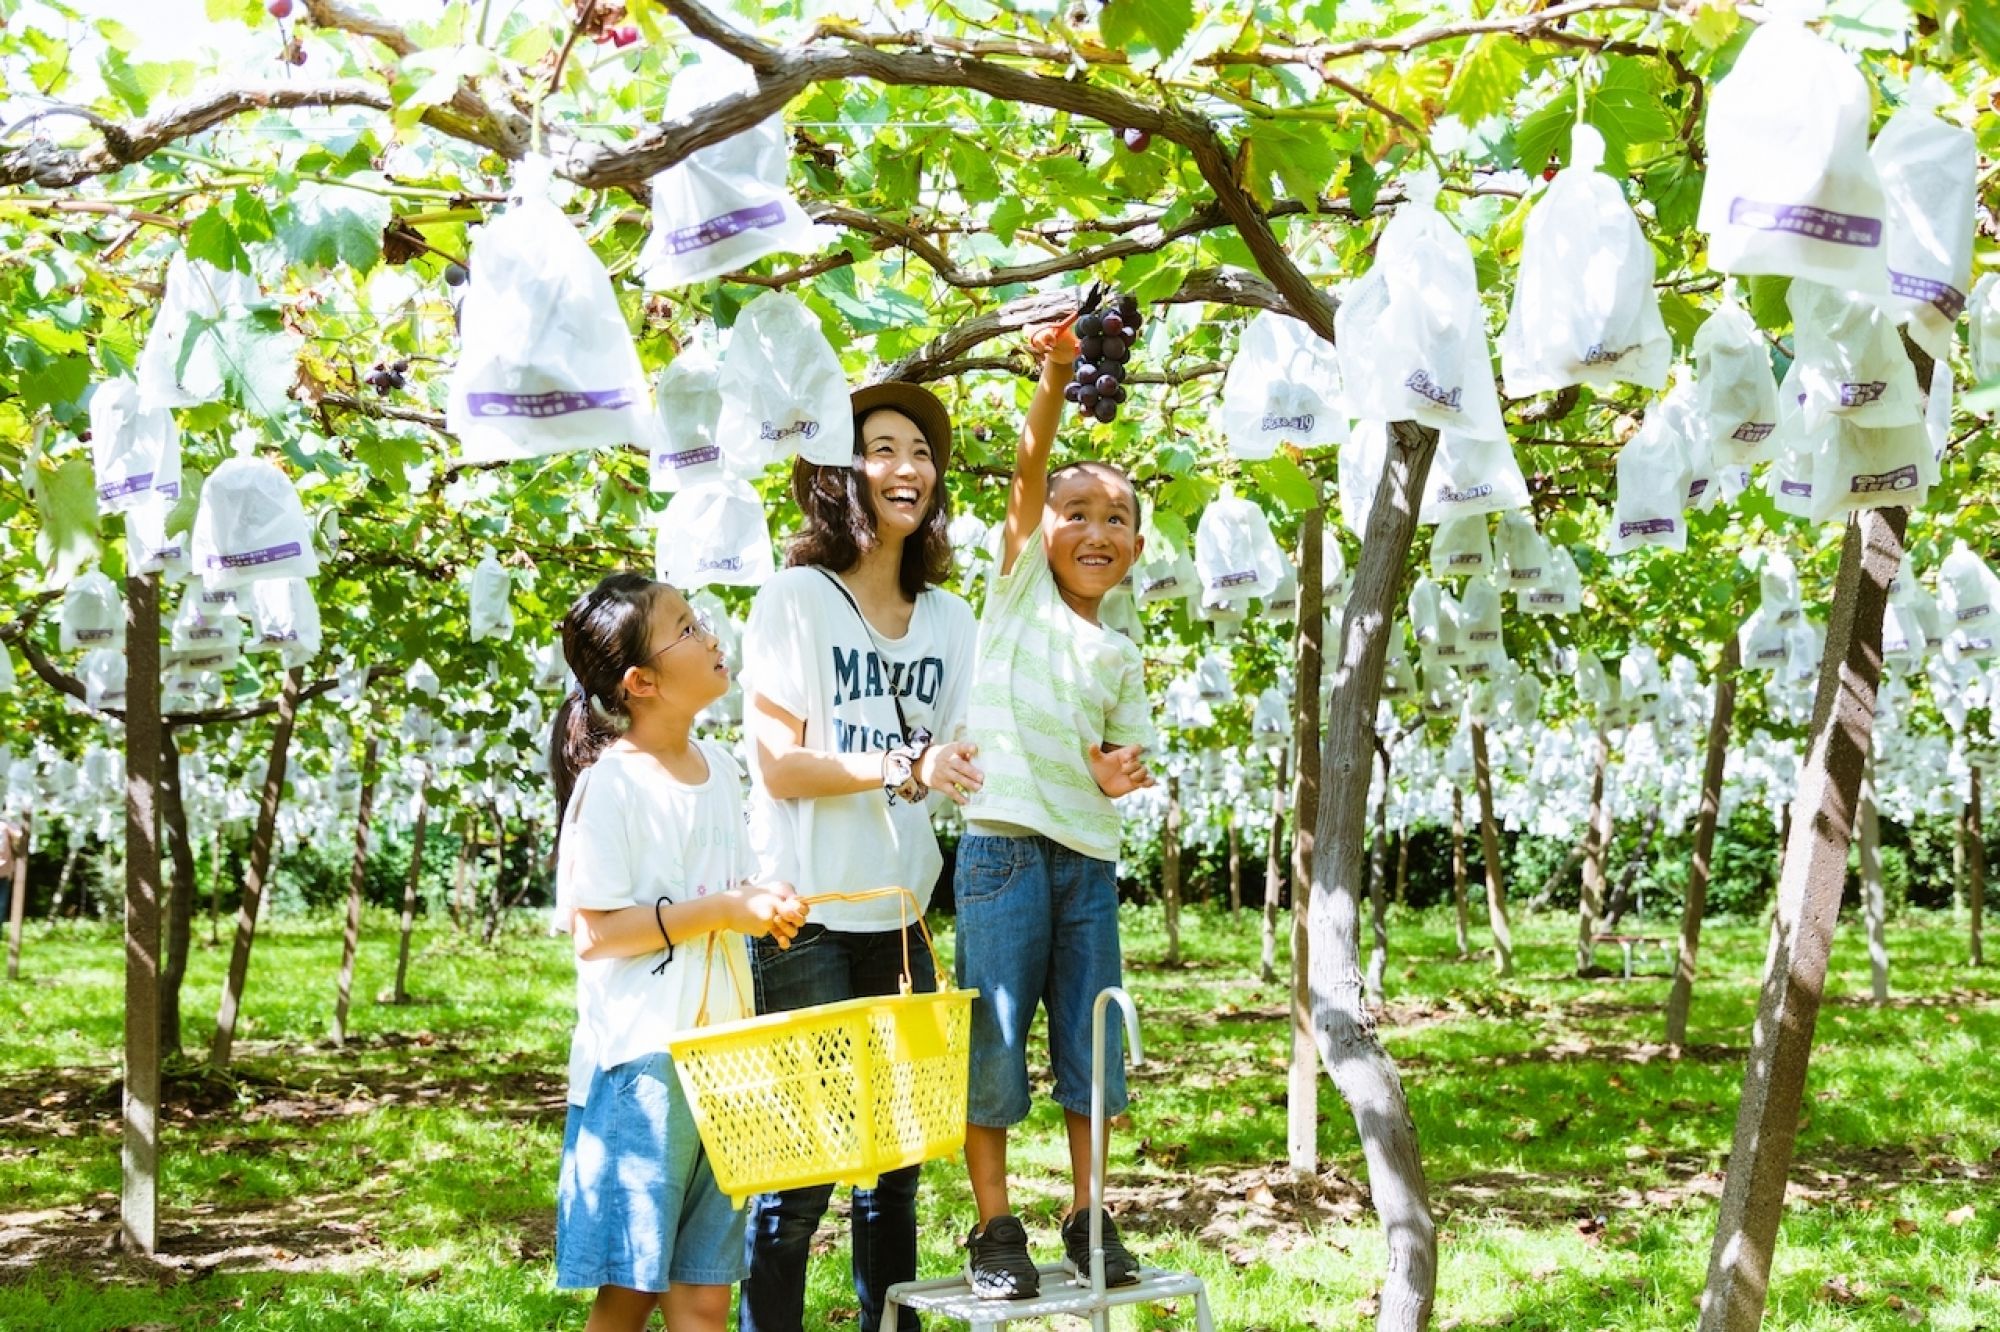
<point x="604" y="634"/>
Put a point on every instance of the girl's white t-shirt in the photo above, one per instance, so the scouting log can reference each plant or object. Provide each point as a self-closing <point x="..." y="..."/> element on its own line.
<point x="633" y="834"/>
<point x="808" y="651"/>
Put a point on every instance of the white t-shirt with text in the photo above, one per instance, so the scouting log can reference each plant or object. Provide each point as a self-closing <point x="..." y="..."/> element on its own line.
<point x="808" y="651"/>
<point x="631" y="835"/>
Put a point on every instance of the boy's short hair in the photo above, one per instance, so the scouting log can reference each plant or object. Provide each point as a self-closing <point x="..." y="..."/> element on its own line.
<point x="1095" y="464"/>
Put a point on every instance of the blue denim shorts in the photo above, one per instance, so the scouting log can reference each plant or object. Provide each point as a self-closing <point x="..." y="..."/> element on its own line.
<point x="637" y="1205"/>
<point x="1037" y="924"/>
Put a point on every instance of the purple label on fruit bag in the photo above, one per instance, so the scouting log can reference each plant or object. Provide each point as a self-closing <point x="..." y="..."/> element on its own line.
<point x="201" y="633"/>
<point x="725" y="563"/>
<point x="1805" y="220"/>
<point x="1753" y="432"/>
<point x="1303" y="424"/>
<point x="1860" y="395"/>
<point x="1545" y="598"/>
<point x="131" y="485"/>
<point x="171" y="490"/>
<point x="1949" y="300"/>
<point x="1533" y="575"/>
<point x="290" y="636"/>
<point x="1159" y="585"/>
<point x="250" y="559"/>
<point x="704" y="234"/>
<point x="1796" y="489"/>
<point x="1446" y="495"/>
<point x="93" y="635"/>
<point x="1646" y="527"/>
<point x="1483" y="635"/>
<point x="1421" y="383"/>
<point x="1903" y="478"/>
<point x="556" y="402"/>
<point x="1699" y="485"/>
<point x="1470" y="559"/>
<point x="1599" y="354"/>
<point x="1969" y="613"/>
<point x="772" y="432"/>
<point x="1776" y="653"/>
<point x="1233" y="579"/>
<point x="707" y="453"/>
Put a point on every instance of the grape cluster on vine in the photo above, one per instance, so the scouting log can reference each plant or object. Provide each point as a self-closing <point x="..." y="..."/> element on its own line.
<point x="1105" y="338"/>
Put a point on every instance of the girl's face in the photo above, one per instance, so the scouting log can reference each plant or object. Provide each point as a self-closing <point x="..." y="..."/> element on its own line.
<point x="898" y="473"/>
<point x="684" y="667"/>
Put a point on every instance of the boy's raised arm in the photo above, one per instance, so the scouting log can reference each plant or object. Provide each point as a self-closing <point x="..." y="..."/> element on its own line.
<point x="1057" y="347"/>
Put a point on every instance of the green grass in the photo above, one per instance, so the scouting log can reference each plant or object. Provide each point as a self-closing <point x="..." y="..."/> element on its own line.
<point x="407" y="1180"/>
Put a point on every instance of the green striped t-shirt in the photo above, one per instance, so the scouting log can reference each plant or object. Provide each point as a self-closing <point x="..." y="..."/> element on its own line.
<point x="1048" y="683"/>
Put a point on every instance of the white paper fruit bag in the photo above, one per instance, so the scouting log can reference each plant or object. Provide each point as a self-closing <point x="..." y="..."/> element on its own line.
<point x="1584" y="308"/>
<point x="714" y="535"/>
<point x="547" y="363"/>
<point x="1851" y="360"/>
<point x="725" y="205"/>
<point x="1282" y="388"/>
<point x="1790" y="188"/>
<point x="686" y="445"/>
<point x="1412" y="332"/>
<point x="783" y="390"/>
<point x="1928" y="170"/>
<point x="250" y="526"/>
<point x="1471" y="477"/>
<point x="171" y="372"/>
<point x="135" y="453"/>
<point x="93" y="614"/>
<point x="1234" y="551"/>
<point x="492" y="616"/>
<point x="1735" y="391"/>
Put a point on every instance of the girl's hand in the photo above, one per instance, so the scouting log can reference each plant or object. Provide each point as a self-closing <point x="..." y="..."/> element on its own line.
<point x="769" y="908"/>
<point x="949" y="768"/>
<point x="1055" y="343"/>
<point x="1118" y="772"/>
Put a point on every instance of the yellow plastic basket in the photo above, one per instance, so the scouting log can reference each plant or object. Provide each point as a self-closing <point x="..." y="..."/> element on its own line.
<point x="831" y="1094"/>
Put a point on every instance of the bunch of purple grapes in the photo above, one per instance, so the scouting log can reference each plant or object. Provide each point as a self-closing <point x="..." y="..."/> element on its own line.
<point x="1105" y="338"/>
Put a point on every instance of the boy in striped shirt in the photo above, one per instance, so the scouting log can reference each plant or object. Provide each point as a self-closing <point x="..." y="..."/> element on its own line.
<point x="1059" y="713"/>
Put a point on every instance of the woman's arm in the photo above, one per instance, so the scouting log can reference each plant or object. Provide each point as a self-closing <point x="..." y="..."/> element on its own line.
<point x="635" y="930"/>
<point x="790" y="771"/>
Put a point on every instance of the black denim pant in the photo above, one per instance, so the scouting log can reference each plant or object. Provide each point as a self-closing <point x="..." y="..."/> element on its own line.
<point x="821" y="967"/>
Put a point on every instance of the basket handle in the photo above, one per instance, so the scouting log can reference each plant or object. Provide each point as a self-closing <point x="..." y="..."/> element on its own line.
<point x="909" y="978"/>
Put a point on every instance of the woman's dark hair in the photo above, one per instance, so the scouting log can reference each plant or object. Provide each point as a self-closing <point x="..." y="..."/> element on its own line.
<point x="840" y="522"/>
<point x="604" y="634"/>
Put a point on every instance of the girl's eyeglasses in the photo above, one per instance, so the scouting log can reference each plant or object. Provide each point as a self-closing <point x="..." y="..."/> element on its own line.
<point x="700" y="624"/>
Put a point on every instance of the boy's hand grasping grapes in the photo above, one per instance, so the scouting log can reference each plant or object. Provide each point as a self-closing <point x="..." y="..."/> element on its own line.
<point x="1056" y="344"/>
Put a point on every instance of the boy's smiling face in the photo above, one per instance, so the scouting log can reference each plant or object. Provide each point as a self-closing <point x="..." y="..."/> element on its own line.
<point x="1091" y="524"/>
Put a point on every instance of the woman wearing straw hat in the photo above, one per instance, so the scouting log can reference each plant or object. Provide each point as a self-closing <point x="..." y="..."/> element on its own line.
<point x="857" y="667"/>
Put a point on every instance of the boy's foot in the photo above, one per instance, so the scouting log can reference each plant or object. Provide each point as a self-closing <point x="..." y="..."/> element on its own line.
<point x="1120" y="1267"/>
<point x="997" y="1265"/>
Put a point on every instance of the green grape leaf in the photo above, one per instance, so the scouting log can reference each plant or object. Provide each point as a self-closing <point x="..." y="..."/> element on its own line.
<point x="1487" y="79"/>
<point x="1285" y="481"/>
<point x="211" y="238"/>
<point x="1876" y="25"/>
<point x="329" y="227"/>
<point x="1160" y="24"/>
<point x="1363" y="184"/>
<point x="66" y="542"/>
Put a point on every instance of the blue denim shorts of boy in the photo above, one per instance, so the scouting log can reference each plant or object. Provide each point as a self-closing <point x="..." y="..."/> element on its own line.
<point x="1037" y="924"/>
<point x="637" y="1205"/>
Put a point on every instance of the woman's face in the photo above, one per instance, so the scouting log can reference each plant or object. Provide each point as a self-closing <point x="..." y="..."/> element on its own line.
<point x="898" y="473"/>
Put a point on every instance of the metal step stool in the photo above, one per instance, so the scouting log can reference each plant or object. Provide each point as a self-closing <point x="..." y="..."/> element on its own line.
<point x="952" y="1298"/>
